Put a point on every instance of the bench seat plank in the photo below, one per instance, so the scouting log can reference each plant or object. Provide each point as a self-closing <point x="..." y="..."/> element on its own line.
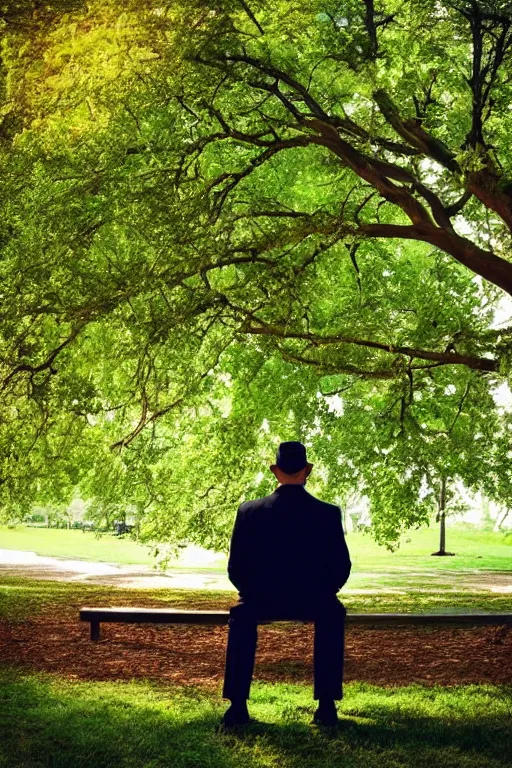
<point x="132" y="615"/>
<point x="153" y="616"/>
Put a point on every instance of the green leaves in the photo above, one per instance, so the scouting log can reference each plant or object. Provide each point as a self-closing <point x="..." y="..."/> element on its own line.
<point x="223" y="228"/>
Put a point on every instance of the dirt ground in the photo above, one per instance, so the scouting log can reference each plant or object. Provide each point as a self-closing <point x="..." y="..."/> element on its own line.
<point x="195" y="655"/>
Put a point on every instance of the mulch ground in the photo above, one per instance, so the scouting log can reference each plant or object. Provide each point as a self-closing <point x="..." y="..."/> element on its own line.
<point x="195" y="655"/>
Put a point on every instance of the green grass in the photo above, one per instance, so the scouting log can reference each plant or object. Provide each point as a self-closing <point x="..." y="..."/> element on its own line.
<point x="475" y="549"/>
<point x="76" y="544"/>
<point x="21" y="598"/>
<point x="49" y="722"/>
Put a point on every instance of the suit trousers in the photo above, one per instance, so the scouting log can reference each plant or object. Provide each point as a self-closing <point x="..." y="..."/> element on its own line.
<point x="328" y="615"/>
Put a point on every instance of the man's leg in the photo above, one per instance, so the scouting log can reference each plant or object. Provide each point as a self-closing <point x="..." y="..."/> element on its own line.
<point x="240" y="655"/>
<point x="328" y="659"/>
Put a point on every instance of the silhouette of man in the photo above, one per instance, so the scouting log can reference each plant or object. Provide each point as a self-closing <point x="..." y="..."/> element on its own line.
<point x="288" y="559"/>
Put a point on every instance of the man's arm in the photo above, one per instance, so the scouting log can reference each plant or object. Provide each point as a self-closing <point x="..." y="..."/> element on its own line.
<point x="339" y="564"/>
<point x="238" y="560"/>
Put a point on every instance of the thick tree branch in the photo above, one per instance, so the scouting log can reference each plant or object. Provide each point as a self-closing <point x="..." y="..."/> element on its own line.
<point x="349" y="127"/>
<point x="317" y="340"/>
<point x="492" y="190"/>
<point x="395" y="184"/>
<point x="372" y="22"/>
<point x="491" y="267"/>
<point x="372" y="171"/>
<point x="414" y="134"/>
<point x="371" y="28"/>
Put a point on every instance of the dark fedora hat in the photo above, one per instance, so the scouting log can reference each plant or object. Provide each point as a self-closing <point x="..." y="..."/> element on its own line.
<point x="291" y="457"/>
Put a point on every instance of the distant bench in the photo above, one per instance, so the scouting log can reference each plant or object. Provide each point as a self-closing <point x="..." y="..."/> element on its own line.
<point x="97" y="616"/>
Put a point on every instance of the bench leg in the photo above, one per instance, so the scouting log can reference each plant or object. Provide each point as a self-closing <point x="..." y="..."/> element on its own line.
<point x="95" y="630"/>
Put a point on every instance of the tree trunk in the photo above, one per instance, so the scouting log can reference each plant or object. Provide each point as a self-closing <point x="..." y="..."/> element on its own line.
<point x="442" y="519"/>
<point x="442" y="522"/>
<point x="344" y="519"/>
<point x="500" y="520"/>
<point x="442" y="533"/>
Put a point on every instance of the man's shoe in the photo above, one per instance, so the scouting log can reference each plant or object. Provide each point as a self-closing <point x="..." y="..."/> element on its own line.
<point x="326" y="715"/>
<point x="235" y="715"/>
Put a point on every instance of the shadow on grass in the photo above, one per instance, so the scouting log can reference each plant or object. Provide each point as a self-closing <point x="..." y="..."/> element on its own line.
<point x="409" y="743"/>
<point x="52" y="723"/>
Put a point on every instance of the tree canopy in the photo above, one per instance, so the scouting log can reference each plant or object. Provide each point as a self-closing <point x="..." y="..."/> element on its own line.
<point x="225" y="224"/>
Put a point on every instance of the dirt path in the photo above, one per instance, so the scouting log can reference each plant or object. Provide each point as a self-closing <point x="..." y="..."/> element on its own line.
<point x="32" y="566"/>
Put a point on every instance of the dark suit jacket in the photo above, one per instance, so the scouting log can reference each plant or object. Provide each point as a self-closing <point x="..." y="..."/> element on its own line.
<point x="287" y="544"/>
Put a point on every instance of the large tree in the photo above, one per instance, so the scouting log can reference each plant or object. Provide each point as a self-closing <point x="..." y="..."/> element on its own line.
<point x="197" y="196"/>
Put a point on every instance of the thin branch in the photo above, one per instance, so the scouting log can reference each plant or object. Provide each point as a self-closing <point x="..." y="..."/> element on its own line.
<point x="280" y="75"/>
<point x="233" y="179"/>
<point x="455" y="208"/>
<point x="148" y="418"/>
<point x="352" y="250"/>
<point x="144" y="421"/>
<point x="252" y="17"/>
<point x="348" y="369"/>
<point x="461" y="406"/>
<point x="48" y="363"/>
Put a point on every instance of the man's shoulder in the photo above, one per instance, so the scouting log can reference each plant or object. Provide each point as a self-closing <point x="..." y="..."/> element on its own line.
<point x="252" y="505"/>
<point x="325" y="507"/>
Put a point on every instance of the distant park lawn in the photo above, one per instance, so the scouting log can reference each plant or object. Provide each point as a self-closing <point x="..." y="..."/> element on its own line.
<point x="473" y="548"/>
<point x="52" y="722"/>
<point x="76" y="544"/>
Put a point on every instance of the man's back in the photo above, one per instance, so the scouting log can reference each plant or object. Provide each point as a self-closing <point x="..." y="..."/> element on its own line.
<point x="287" y="545"/>
<point x="288" y="558"/>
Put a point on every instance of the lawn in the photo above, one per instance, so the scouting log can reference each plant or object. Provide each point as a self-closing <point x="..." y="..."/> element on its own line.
<point x="474" y="549"/>
<point x="76" y="544"/>
<point x="52" y="722"/>
<point x="478" y="577"/>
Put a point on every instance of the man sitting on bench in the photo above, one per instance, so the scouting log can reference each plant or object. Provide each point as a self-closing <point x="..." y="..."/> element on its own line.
<point x="288" y="559"/>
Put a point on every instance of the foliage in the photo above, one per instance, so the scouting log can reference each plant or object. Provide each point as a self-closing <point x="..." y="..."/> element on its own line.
<point x="215" y="217"/>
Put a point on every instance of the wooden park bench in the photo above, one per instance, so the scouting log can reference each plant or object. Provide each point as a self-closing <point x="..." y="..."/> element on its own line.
<point x="97" y="616"/>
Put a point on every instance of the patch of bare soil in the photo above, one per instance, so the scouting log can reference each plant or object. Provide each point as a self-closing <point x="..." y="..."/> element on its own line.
<point x="195" y="655"/>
